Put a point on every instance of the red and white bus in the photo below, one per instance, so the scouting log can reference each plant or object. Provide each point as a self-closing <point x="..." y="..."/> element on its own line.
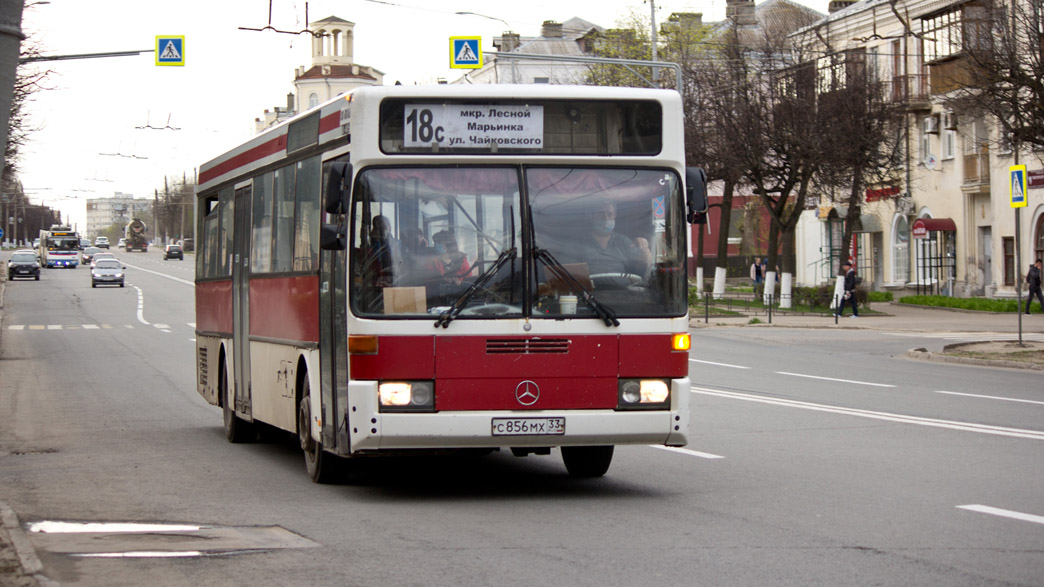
<point x="452" y="267"/>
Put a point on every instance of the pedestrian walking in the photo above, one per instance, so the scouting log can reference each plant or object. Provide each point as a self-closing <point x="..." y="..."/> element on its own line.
<point x="757" y="272"/>
<point x="1033" y="279"/>
<point x="850" y="293"/>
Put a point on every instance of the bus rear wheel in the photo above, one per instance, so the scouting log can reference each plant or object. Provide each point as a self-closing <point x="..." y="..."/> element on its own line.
<point x="587" y="461"/>
<point x="320" y="465"/>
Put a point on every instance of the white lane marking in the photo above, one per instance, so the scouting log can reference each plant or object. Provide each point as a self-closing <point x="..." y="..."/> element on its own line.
<point x="162" y="326"/>
<point x="834" y="379"/>
<point x="718" y="364"/>
<point x="970" y="335"/>
<point x="985" y="509"/>
<point x="1006" y="399"/>
<point x="900" y="418"/>
<point x="17" y="327"/>
<point x="178" y="279"/>
<point x="90" y="327"/>
<point x="685" y="451"/>
<point x="141" y="306"/>
<point x="54" y="327"/>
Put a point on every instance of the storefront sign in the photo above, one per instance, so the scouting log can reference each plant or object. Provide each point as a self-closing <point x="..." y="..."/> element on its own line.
<point x="1036" y="178"/>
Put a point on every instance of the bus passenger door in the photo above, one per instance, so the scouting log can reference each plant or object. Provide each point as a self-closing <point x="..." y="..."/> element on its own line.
<point x="241" y="301"/>
<point x="333" y="349"/>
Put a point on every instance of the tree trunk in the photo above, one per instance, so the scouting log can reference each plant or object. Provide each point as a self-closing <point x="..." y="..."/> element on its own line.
<point x="722" y="264"/>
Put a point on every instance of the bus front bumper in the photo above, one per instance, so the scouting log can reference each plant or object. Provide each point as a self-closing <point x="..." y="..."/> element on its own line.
<point x="371" y="430"/>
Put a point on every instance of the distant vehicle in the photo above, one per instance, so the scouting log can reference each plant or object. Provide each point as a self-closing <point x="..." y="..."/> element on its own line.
<point x="107" y="271"/>
<point x="84" y="243"/>
<point x="188" y="245"/>
<point x="59" y="247"/>
<point x="36" y="243"/>
<point x="122" y="243"/>
<point x="172" y="252"/>
<point x="23" y="263"/>
<point x="136" y="235"/>
<point x="88" y="254"/>
<point x="100" y="257"/>
<point x="102" y="242"/>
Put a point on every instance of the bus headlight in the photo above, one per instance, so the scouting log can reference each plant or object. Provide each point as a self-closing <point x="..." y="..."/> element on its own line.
<point x="644" y="394"/>
<point x="406" y="396"/>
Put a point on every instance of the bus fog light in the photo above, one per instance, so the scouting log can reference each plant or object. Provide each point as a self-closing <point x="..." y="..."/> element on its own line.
<point x="406" y="396"/>
<point x="630" y="392"/>
<point x="654" y="391"/>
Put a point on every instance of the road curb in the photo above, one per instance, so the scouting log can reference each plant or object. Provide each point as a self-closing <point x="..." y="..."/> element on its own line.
<point x="923" y="354"/>
<point x="27" y="558"/>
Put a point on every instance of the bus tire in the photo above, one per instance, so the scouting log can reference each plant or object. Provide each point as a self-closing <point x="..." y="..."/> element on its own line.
<point x="587" y="461"/>
<point x="320" y="465"/>
<point x="237" y="430"/>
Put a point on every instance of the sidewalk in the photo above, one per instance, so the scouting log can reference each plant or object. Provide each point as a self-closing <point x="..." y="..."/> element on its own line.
<point x="892" y="316"/>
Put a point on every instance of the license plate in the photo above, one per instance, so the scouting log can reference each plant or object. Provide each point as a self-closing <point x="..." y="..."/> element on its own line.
<point x="528" y="426"/>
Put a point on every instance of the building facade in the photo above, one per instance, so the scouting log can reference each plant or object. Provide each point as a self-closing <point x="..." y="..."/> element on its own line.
<point x="942" y="223"/>
<point x="332" y="72"/>
<point x="119" y="209"/>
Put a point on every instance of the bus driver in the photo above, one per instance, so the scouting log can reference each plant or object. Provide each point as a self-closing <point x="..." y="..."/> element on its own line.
<point x="605" y="251"/>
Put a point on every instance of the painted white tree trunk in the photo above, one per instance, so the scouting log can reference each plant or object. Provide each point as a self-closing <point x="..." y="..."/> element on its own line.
<point x="839" y="291"/>
<point x="719" y="282"/>
<point x="699" y="280"/>
<point x="770" y="286"/>
<point x="786" y="290"/>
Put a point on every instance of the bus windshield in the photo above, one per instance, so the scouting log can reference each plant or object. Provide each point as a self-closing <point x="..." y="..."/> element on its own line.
<point x="429" y="239"/>
<point x="63" y="243"/>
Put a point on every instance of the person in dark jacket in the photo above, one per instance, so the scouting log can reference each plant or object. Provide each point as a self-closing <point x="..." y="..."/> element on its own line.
<point x="850" y="294"/>
<point x="1033" y="279"/>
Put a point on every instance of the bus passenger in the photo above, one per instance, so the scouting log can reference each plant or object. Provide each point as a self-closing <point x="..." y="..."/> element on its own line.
<point x="450" y="261"/>
<point x="385" y="254"/>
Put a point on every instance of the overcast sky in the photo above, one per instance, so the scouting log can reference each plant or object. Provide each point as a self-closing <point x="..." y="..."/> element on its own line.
<point x="88" y="144"/>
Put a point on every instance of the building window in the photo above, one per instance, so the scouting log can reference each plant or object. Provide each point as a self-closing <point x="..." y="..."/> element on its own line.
<point x="541" y="80"/>
<point x="900" y="249"/>
<point x="1009" y="260"/>
<point x="926" y="144"/>
<point x="1038" y="240"/>
<point x="313" y="100"/>
<point x="949" y="142"/>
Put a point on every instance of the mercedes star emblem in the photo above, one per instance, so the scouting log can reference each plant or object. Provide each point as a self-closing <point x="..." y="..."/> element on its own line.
<point x="527" y="393"/>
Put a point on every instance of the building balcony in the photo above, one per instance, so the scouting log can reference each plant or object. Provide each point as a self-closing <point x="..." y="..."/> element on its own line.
<point x="976" y="171"/>
<point x="911" y="90"/>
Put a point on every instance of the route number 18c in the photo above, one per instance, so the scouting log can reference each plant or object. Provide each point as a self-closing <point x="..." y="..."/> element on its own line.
<point x="421" y="128"/>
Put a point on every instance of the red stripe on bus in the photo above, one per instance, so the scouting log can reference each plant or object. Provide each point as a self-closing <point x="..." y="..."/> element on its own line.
<point x="398" y="358"/>
<point x="214" y="306"/>
<point x="330" y="122"/>
<point x="650" y="355"/>
<point x="276" y="145"/>
<point x="285" y="307"/>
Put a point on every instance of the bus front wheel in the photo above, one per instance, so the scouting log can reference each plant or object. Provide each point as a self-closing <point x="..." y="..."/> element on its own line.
<point x="237" y="430"/>
<point x="320" y="465"/>
<point x="587" y="461"/>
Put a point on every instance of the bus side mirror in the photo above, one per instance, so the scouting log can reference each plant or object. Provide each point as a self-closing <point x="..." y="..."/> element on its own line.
<point x="332" y="238"/>
<point x="696" y="195"/>
<point x="337" y="188"/>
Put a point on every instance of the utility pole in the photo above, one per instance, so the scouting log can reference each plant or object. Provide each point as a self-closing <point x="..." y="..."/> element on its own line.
<point x="652" y="37"/>
<point x="10" y="45"/>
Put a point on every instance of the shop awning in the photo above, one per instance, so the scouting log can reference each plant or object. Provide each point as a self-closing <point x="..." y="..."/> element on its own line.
<point x="868" y="223"/>
<point x="922" y="226"/>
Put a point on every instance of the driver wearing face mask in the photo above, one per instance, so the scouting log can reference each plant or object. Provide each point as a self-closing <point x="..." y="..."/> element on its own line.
<point x="608" y="252"/>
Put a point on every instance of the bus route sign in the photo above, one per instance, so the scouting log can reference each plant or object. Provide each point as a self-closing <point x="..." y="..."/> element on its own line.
<point x="170" y="50"/>
<point x="477" y="126"/>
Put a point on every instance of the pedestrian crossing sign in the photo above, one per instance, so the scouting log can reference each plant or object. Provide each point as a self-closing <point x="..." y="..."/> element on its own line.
<point x="465" y="52"/>
<point x="170" y="50"/>
<point x="1017" y="183"/>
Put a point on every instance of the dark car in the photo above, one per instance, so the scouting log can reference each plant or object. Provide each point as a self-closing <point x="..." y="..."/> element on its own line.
<point x="88" y="254"/>
<point x="173" y="252"/>
<point x="23" y="264"/>
<point x="107" y="271"/>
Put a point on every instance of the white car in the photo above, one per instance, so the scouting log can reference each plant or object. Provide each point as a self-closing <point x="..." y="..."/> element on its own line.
<point x="102" y="242"/>
<point x="122" y="243"/>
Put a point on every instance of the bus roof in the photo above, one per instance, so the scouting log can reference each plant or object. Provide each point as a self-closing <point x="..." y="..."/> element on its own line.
<point x="334" y="117"/>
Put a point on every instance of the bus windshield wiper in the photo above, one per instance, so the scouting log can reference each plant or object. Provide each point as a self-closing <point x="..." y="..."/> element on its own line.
<point x="604" y="312"/>
<point x="480" y="283"/>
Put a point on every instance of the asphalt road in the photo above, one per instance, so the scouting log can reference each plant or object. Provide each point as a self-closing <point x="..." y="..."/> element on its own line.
<point x="817" y="457"/>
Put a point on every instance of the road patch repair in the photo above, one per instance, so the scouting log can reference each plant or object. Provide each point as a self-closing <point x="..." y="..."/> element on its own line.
<point x="158" y="540"/>
<point x="996" y="353"/>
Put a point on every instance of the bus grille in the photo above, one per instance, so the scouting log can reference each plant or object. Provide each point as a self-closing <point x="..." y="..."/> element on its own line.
<point x="527" y="346"/>
<point x="203" y="366"/>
